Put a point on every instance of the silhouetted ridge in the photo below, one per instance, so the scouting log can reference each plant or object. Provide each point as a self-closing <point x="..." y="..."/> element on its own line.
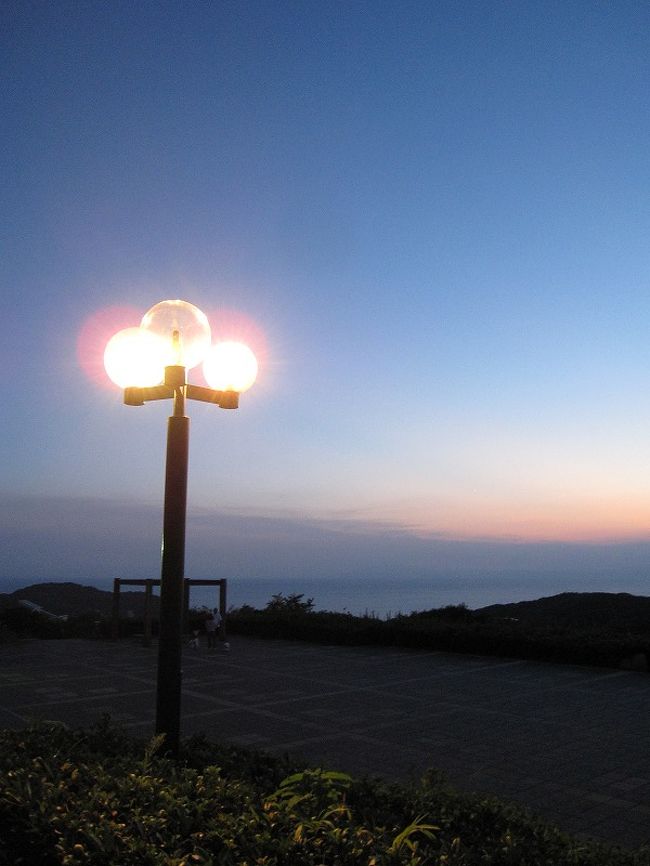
<point x="618" y="610"/>
<point x="74" y="599"/>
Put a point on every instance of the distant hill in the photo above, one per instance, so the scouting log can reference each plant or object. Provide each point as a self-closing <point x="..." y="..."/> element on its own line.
<point x="74" y="599"/>
<point x="619" y="610"/>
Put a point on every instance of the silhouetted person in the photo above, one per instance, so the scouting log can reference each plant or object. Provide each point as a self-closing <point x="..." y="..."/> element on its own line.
<point x="212" y="624"/>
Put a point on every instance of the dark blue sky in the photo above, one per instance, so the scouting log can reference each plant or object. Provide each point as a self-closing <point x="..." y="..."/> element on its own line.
<point x="431" y="219"/>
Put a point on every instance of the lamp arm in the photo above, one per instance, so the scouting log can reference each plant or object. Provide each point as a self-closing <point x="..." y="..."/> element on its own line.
<point x="139" y="396"/>
<point x="224" y="399"/>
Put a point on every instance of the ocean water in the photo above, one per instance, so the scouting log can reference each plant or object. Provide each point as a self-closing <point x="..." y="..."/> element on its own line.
<point x="384" y="598"/>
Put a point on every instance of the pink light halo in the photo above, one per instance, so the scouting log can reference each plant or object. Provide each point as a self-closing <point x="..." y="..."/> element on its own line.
<point x="230" y="324"/>
<point x="95" y="333"/>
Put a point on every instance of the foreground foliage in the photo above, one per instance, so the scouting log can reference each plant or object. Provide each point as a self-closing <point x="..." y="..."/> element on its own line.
<point x="98" y="797"/>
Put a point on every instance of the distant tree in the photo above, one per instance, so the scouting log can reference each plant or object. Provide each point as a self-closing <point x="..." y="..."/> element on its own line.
<point x="292" y="603"/>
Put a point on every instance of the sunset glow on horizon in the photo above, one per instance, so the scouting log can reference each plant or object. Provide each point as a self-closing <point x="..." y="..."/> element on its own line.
<point x="567" y="521"/>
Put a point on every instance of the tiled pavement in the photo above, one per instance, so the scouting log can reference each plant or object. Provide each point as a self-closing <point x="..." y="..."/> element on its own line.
<point x="569" y="742"/>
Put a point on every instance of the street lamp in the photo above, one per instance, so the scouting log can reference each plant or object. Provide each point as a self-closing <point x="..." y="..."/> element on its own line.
<point x="150" y="362"/>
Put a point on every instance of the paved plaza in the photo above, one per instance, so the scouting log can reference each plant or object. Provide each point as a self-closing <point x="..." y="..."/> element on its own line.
<point x="569" y="742"/>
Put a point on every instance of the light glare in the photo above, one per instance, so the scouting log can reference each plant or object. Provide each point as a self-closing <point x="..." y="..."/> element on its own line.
<point x="230" y="366"/>
<point x="192" y="326"/>
<point x="135" y="357"/>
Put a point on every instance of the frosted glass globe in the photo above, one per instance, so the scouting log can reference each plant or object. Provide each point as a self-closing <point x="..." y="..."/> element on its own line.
<point x="170" y="318"/>
<point x="230" y="366"/>
<point x="135" y="357"/>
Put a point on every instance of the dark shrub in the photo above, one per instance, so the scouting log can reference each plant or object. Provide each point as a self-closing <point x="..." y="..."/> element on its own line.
<point x="97" y="797"/>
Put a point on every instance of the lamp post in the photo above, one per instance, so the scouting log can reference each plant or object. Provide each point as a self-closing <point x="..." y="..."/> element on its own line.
<point x="150" y="363"/>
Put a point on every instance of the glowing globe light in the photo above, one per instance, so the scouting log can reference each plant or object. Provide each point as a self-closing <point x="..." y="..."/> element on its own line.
<point x="230" y="366"/>
<point x="135" y="357"/>
<point x="184" y="328"/>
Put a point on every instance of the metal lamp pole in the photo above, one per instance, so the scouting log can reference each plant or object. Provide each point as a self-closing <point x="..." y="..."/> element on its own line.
<point x="170" y="639"/>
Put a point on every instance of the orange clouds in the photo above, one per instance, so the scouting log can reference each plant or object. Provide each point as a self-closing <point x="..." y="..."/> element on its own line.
<point x="567" y="518"/>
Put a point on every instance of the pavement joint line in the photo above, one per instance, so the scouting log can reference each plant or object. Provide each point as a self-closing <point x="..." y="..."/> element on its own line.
<point x="333" y="735"/>
<point x="396" y="681"/>
<point x="252" y="709"/>
<point x="83" y="699"/>
<point x="224" y="706"/>
<point x="597" y="679"/>
<point x="467" y="708"/>
<point x="23" y="719"/>
<point x="99" y="673"/>
<point x="262" y="710"/>
<point x="446" y="705"/>
<point x="62" y="681"/>
<point x="122" y="675"/>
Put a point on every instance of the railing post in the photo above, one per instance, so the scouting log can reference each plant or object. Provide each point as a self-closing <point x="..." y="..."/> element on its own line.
<point x="223" y="584"/>
<point x="115" y="615"/>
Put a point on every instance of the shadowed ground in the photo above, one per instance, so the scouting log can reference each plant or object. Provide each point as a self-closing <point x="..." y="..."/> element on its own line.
<point x="569" y="742"/>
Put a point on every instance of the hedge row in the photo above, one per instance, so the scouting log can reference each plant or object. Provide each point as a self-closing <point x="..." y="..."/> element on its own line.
<point x="452" y="630"/>
<point x="97" y="797"/>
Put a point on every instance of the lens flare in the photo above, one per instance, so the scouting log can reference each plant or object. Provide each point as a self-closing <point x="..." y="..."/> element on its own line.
<point x="136" y="357"/>
<point x="230" y="366"/>
<point x="94" y="334"/>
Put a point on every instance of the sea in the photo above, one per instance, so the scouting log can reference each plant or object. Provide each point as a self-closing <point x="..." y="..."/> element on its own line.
<point x="385" y="598"/>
